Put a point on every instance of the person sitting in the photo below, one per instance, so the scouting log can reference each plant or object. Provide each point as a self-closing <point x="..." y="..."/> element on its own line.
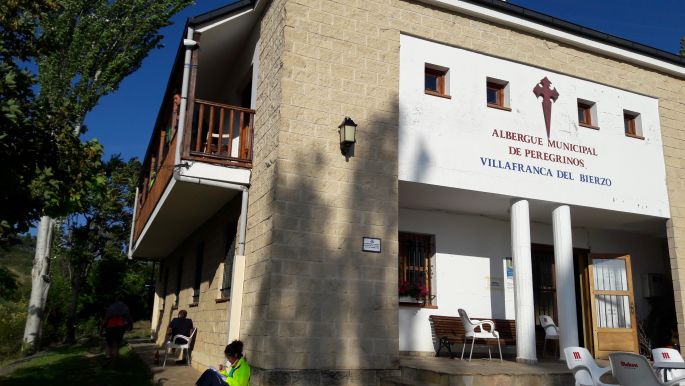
<point x="182" y="325"/>
<point x="237" y="374"/>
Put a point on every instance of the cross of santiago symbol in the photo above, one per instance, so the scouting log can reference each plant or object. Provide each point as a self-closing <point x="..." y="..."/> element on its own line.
<point x="548" y="95"/>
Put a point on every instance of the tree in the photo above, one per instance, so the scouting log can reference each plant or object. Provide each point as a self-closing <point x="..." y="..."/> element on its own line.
<point x="23" y="145"/>
<point x="682" y="46"/>
<point x="92" y="45"/>
<point x="99" y="232"/>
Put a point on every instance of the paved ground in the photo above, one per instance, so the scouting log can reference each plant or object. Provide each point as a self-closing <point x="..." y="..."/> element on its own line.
<point x="445" y="365"/>
<point x="172" y="375"/>
<point x="182" y="375"/>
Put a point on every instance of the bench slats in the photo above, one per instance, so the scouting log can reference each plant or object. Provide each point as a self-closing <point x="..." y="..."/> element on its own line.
<point x="452" y="329"/>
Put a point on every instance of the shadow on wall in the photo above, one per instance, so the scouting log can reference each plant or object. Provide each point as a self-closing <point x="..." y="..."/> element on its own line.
<point x="328" y="305"/>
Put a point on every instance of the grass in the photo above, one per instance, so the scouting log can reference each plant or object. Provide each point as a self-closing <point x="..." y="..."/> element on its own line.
<point x="80" y="366"/>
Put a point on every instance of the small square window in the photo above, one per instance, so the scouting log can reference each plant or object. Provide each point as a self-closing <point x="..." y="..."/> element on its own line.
<point x="497" y="94"/>
<point x="437" y="80"/>
<point x="632" y="124"/>
<point x="587" y="114"/>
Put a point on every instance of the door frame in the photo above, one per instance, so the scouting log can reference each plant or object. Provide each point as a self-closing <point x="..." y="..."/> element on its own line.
<point x="593" y="310"/>
<point x="584" y="319"/>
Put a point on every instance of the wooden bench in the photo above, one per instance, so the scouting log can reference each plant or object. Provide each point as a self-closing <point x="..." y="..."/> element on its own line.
<point x="449" y="330"/>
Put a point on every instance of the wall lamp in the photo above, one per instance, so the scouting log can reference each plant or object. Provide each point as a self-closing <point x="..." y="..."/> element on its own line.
<point x="348" y="132"/>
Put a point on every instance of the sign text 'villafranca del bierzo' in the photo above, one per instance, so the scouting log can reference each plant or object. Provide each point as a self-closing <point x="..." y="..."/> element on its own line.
<point x="536" y="148"/>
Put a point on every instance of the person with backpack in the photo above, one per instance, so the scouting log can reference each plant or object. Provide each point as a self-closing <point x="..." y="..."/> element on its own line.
<point x="117" y="320"/>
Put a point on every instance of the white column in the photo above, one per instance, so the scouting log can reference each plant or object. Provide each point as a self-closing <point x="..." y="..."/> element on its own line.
<point x="566" y="289"/>
<point x="523" y="282"/>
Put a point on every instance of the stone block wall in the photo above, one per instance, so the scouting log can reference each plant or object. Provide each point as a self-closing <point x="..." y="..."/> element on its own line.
<point x="211" y="314"/>
<point x="261" y="196"/>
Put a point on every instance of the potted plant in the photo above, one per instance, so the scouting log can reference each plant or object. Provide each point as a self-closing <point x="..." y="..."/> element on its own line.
<point x="412" y="292"/>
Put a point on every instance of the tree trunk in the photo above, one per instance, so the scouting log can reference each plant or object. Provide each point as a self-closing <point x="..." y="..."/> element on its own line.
<point x="40" y="284"/>
<point x="73" y="303"/>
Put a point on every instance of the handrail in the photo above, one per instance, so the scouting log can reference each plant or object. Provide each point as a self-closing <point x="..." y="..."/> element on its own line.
<point x="220" y="133"/>
<point x="217" y="104"/>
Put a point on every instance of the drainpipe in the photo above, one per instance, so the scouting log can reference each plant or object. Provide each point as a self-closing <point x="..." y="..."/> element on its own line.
<point x="238" y="274"/>
<point x="133" y="226"/>
<point x="242" y="223"/>
<point x="189" y="44"/>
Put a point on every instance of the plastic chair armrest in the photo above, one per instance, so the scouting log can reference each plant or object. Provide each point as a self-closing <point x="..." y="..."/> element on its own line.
<point x="187" y="339"/>
<point x="603" y="370"/>
<point x="488" y="322"/>
<point x="675" y="381"/>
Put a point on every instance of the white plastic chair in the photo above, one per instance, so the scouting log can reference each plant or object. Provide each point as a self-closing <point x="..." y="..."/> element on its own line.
<point x="474" y="329"/>
<point x="634" y="370"/>
<point x="221" y="142"/>
<point x="585" y="369"/>
<point x="551" y="331"/>
<point x="669" y="355"/>
<point x="183" y="346"/>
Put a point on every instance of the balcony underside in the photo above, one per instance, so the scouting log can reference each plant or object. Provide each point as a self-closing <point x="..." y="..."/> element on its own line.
<point x="181" y="210"/>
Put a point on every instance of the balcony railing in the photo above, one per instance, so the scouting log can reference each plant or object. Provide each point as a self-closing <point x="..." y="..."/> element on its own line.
<point x="221" y="134"/>
<point x="215" y="133"/>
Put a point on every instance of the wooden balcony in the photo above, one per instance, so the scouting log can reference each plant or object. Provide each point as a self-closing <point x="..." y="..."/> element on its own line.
<point x="215" y="133"/>
<point x="221" y="134"/>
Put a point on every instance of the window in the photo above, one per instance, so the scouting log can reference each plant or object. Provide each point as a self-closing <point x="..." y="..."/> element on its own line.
<point x="415" y="266"/>
<point x="497" y="94"/>
<point x="437" y="80"/>
<point x="632" y="124"/>
<point x="179" y="276"/>
<point x="587" y="114"/>
<point x="229" y="255"/>
<point x="199" y="256"/>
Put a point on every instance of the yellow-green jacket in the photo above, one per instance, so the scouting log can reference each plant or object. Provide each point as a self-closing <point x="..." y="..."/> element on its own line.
<point x="238" y="374"/>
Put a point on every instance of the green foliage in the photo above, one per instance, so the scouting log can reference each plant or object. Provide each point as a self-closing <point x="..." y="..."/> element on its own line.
<point x="44" y="164"/>
<point x="22" y="143"/>
<point x="79" y="366"/>
<point x="99" y="43"/>
<point x="83" y="50"/>
<point x="9" y="287"/>
<point x="11" y="327"/>
<point x="16" y="263"/>
<point x="90" y="268"/>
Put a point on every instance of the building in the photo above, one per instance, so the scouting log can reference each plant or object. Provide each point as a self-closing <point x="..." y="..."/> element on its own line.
<point x="499" y="154"/>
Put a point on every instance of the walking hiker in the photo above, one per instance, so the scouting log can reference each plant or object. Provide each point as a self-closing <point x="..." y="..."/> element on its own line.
<point x="117" y="320"/>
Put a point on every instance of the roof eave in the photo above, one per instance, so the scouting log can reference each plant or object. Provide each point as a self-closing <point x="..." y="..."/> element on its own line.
<point x="219" y="13"/>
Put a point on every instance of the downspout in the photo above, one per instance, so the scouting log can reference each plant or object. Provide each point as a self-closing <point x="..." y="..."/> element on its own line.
<point x="133" y="226"/>
<point x="242" y="223"/>
<point x="238" y="274"/>
<point x="189" y="44"/>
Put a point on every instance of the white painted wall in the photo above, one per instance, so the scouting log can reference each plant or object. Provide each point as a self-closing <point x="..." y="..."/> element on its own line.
<point x="217" y="173"/>
<point x="470" y="251"/>
<point x="441" y="141"/>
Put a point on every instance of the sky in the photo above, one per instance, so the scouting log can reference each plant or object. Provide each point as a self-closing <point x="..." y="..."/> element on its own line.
<point x="123" y="120"/>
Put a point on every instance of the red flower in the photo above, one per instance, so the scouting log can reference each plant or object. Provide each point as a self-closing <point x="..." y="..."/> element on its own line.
<point x="414" y="289"/>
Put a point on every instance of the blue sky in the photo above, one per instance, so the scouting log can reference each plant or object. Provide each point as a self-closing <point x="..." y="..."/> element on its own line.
<point x="123" y="120"/>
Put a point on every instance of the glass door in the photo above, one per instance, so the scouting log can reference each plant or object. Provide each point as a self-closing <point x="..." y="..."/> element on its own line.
<point x="613" y="306"/>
